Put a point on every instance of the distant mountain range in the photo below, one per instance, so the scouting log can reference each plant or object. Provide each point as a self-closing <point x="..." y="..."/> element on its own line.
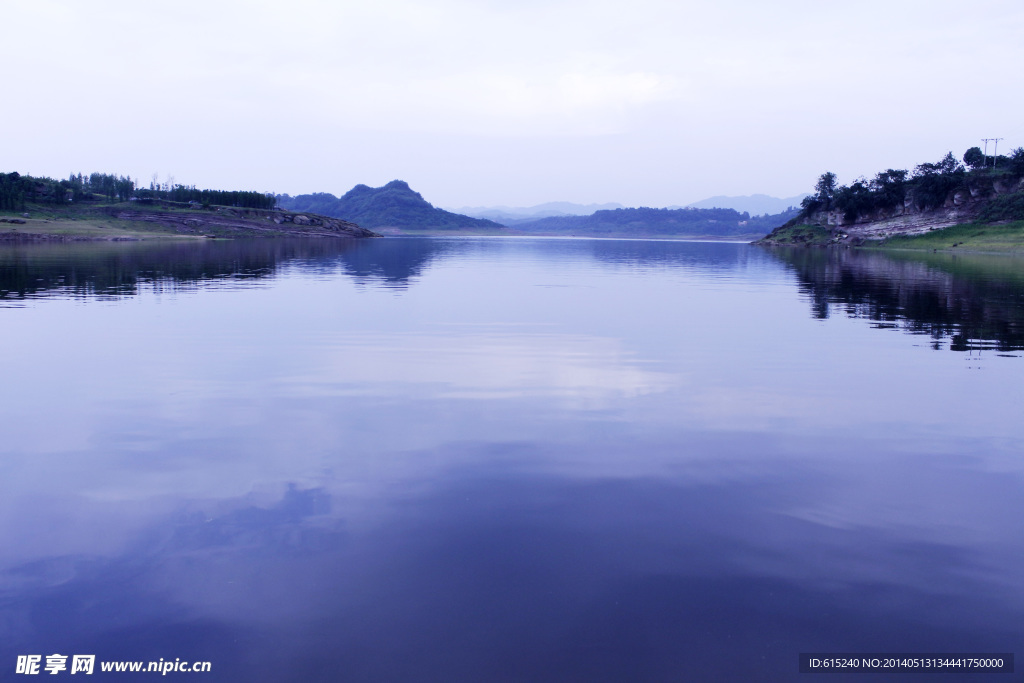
<point x="646" y="222"/>
<point x="394" y="205"/>
<point x="398" y="206"/>
<point x="754" y="204"/>
<point x="512" y="215"/>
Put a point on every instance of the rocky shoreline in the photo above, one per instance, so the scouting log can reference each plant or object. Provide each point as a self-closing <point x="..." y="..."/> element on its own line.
<point x="84" y="224"/>
<point x="225" y="221"/>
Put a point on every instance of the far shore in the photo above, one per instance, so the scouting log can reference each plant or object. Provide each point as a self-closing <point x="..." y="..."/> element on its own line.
<point x="71" y="226"/>
<point x="512" y="232"/>
<point x="68" y="225"/>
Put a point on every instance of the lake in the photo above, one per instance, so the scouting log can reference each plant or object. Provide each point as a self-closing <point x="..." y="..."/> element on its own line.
<point x="502" y="459"/>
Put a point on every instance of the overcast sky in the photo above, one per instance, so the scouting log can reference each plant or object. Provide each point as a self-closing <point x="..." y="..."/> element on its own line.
<point x="646" y="102"/>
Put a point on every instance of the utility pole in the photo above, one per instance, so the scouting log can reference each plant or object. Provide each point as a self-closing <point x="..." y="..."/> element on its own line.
<point x="995" y="152"/>
<point x="986" y="141"/>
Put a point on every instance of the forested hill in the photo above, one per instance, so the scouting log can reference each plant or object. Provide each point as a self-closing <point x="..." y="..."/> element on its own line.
<point x="394" y="205"/>
<point x="646" y="222"/>
<point x="898" y="203"/>
<point x="980" y="180"/>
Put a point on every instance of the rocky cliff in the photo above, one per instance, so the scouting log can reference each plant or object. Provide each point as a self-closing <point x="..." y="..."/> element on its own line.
<point x="962" y="205"/>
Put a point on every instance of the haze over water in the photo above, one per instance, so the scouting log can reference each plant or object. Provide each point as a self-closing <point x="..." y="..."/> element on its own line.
<point x="508" y="459"/>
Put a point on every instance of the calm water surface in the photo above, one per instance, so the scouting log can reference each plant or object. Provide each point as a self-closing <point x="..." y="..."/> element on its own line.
<point x="507" y="459"/>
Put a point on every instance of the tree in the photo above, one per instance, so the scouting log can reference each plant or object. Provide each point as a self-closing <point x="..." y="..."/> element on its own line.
<point x="974" y="158"/>
<point x="826" y="187"/>
<point x="809" y="203"/>
<point x="1017" y="161"/>
<point x="948" y="165"/>
<point x="855" y="200"/>
<point x="934" y="182"/>
<point x="889" y="188"/>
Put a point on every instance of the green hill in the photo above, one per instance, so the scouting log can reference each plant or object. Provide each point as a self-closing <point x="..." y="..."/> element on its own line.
<point x="394" y="205"/>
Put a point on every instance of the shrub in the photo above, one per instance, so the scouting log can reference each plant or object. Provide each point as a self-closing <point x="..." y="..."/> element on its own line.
<point x="1007" y="207"/>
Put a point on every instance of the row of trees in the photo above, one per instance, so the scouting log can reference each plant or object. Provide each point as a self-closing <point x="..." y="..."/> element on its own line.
<point x="113" y="187"/>
<point x="12" y="192"/>
<point x="242" y="199"/>
<point x="17" y="191"/>
<point x="930" y="184"/>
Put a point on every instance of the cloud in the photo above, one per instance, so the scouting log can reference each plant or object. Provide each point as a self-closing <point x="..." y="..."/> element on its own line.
<point x="649" y="86"/>
<point x="581" y="372"/>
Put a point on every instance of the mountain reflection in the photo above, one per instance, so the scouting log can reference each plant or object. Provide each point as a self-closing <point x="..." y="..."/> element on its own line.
<point x="969" y="302"/>
<point x="393" y="263"/>
<point x="124" y="269"/>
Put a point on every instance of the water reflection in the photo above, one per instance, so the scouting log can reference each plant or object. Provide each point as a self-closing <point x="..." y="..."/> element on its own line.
<point x="394" y="263"/>
<point x="497" y="573"/>
<point x="124" y="269"/>
<point x="581" y="371"/>
<point x="967" y="302"/>
<point x="704" y="256"/>
<point x="501" y="459"/>
<point x="118" y="269"/>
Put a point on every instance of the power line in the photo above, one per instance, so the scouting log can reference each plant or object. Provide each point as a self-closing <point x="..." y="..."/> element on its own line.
<point x="995" y="150"/>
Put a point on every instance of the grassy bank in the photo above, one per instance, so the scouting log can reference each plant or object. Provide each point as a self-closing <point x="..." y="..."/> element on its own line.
<point x="163" y="220"/>
<point x="799" y="236"/>
<point x="1005" y="237"/>
<point x="81" y="227"/>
